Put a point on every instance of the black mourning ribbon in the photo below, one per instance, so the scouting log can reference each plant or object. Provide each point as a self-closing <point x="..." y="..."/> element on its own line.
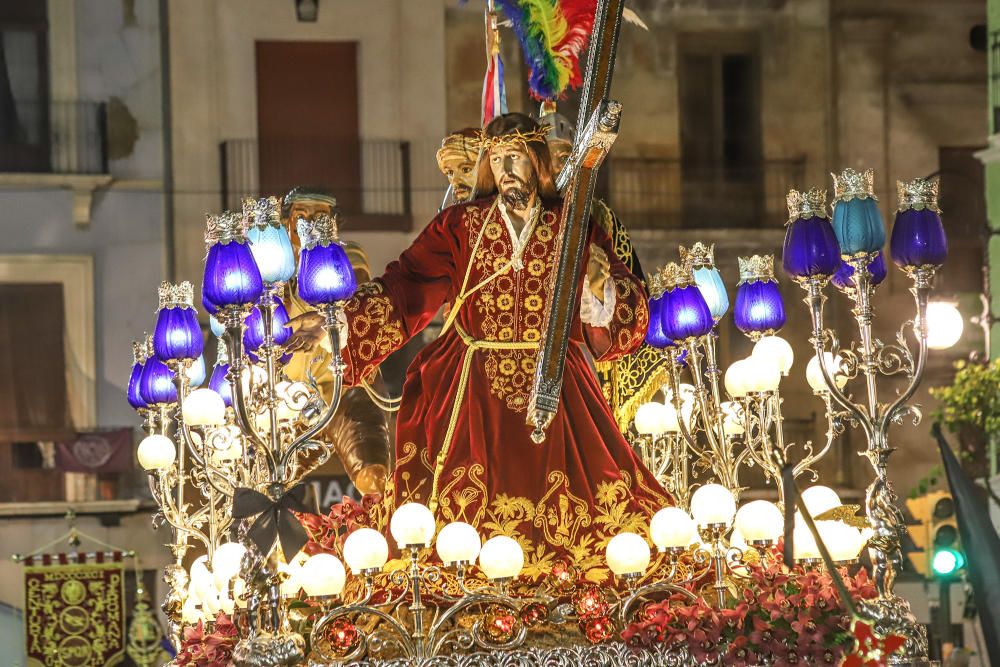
<point x="274" y="518"/>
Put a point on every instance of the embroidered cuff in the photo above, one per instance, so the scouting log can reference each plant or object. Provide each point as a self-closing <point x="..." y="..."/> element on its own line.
<point x="592" y="310"/>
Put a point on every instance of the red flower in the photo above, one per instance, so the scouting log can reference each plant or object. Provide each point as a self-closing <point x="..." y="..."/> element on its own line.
<point x="589" y="602"/>
<point x="598" y="629"/>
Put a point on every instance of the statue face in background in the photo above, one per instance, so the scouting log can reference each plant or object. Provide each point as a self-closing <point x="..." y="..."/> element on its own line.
<point x="460" y="170"/>
<point x="560" y="151"/>
<point x="514" y="174"/>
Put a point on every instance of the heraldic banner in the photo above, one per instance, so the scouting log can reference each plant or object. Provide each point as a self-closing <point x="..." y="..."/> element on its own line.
<point x="74" y="612"/>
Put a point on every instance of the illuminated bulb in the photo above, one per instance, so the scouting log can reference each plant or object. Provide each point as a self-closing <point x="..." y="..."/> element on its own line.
<point x="760" y="521"/>
<point x="412" y="524"/>
<point x="814" y="374"/>
<point x="805" y="544"/>
<point x="501" y="558"/>
<point x="203" y="407"/>
<point x="365" y="549"/>
<point x="713" y="504"/>
<point x="672" y="528"/>
<point x="844" y="542"/>
<point x="293" y="581"/>
<point x="627" y="553"/>
<point x="760" y="374"/>
<point x="670" y="422"/>
<point x="819" y="499"/>
<point x="226" y="604"/>
<point x="736" y="380"/>
<point x="944" y="325"/>
<point x="323" y="574"/>
<point x="202" y="581"/>
<point x="458" y="542"/>
<point x="732" y="421"/>
<point x="190" y="614"/>
<point x="775" y="351"/>
<point x="156" y="452"/>
<point x="737" y="540"/>
<point x="226" y="562"/>
<point x="649" y="419"/>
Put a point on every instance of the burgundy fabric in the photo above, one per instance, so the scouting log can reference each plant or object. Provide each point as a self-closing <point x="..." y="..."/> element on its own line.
<point x="584" y="483"/>
<point x="103" y="451"/>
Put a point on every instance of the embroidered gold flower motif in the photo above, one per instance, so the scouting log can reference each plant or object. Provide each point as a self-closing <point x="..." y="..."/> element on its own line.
<point x="507" y="366"/>
<point x="493" y="231"/>
<point x="506" y="334"/>
<point x="505" y="302"/>
<point x="532" y="335"/>
<point x="544" y="233"/>
<point x="536" y="267"/>
<point x="533" y="302"/>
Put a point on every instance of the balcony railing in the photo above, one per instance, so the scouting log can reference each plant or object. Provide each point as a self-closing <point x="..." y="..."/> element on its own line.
<point x="54" y="138"/>
<point x="661" y="193"/>
<point x="370" y="178"/>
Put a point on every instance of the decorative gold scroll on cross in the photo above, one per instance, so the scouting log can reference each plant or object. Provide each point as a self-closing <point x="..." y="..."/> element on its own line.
<point x="599" y="118"/>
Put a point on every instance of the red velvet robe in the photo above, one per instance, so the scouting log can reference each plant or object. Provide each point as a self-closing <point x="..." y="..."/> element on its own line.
<point x="566" y="496"/>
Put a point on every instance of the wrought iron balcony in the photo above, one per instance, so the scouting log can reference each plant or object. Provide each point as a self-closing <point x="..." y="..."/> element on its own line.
<point x="664" y="193"/>
<point x="370" y="178"/>
<point x="54" y="138"/>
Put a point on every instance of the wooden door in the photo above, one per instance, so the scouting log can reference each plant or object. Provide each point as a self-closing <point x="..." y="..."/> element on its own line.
<point x="307" y="118"/>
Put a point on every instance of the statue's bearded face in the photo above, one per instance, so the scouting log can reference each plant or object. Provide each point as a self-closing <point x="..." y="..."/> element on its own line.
<point x="460" y="170"/>
<point x="514" y="174"/>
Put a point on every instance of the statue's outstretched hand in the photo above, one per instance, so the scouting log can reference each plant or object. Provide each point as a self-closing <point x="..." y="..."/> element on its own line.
<point x="598" y="271"/>
<point x="307" y="332"/>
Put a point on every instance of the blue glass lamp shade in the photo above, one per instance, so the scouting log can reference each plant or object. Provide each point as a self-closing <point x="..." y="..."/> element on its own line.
<point x="654" y="333"/>
<point x="685" y="313"/>
<point x="196" y="372"/>
<point x="217" y="328"/>
<point x="134" y="398"/>
<point x="844" y="277"/>
<point x="858" y="226"/>
<point x="156" y="383"/>
<point x="253" y="334"/>
<point x="759" y="308"/>
<point x="811" y="249"/>
<point x="272" y="250"/>
<point x="220" y="384"/>
<point x="177" y="334"/>
<point x="918" y="239"/>
<point x="231" y="276"/>
<point x="325" y="274"/>
<point x="709" y="282"/>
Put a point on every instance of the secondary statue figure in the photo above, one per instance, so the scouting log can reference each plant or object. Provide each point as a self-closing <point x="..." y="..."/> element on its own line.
<point x="462" y="445"/>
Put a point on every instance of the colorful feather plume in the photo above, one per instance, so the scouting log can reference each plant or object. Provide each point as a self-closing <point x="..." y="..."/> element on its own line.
<point x="553" y="34"/>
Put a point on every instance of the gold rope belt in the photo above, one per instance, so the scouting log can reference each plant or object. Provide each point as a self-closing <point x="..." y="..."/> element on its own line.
<point x="471" y="345"/>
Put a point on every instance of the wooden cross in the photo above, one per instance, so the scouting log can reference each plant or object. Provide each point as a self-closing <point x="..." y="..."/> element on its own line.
<point x="599" y="118"/>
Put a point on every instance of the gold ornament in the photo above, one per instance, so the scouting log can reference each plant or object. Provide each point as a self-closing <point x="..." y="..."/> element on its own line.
<point x="853" y="184"/>
<point x="756" y="268"/>
<point x="224" y="228"/>
<point x="805" y="205"/>
<point x="262" y="212"/>
<point x="179" y="295"/>
<point x="698" y="256"/>
<point x="918" y="194"/>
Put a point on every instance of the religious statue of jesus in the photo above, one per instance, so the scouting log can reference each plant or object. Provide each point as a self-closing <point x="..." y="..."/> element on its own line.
<point x="462" y="445"/>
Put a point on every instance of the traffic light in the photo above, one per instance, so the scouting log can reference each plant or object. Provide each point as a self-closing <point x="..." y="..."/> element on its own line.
<point x="939" y="551"/>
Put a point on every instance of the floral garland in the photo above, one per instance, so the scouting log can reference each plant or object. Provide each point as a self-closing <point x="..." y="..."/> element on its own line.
<point x="784" y="617"/>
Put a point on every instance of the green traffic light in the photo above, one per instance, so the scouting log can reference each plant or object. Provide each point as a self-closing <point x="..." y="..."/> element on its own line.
<point x="947" y="562"/>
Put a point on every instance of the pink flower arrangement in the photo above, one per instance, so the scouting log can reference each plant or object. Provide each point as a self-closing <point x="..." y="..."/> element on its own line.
<point x="784" y="616"/>
<point x="208" y="649"/>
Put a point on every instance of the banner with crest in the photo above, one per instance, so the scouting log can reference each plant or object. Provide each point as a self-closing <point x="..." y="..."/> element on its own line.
<point x="74" y="611"/>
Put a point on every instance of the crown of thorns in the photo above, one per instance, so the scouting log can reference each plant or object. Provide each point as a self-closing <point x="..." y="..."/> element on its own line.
<point x="488" y="143"/>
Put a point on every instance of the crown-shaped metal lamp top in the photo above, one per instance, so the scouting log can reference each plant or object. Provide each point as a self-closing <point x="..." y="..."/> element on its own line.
<point x="179" y="295"/>
<point x="225" y="227"/>
<point x="221" y="355"/>
<point x="918" y="194"/>
<point x="756" y="268"/>
<point x="320" y="231"/>
<point x="674" y="275"/>
<point x="805" y="205"/>
<point x="262" y="212"/>
<point x="851" y="184"/>
<point x="700" y="255"/>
